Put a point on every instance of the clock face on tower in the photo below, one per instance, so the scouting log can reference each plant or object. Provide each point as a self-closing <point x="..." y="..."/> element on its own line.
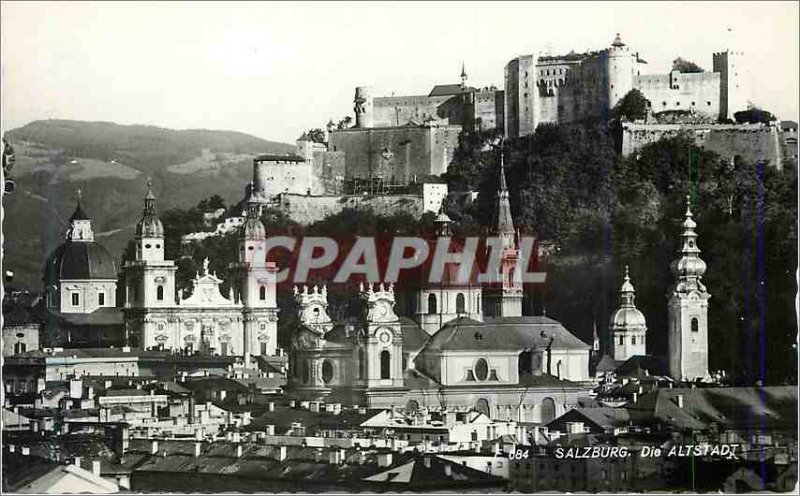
<point x="384" y="336"/>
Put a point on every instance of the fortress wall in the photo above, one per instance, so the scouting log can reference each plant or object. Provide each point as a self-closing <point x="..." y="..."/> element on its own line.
<point x="398" y="110"/>
<point x="489" y="108"/>
<point x="701" y="89"/>
<point x="399" y="152"/>
<point x="752" y="142"/>
<point x="287" y="177"/>
<point x="308" y="209"/>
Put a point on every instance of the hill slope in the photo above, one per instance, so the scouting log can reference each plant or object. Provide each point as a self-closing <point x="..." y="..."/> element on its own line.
<point x="110" y="163"/>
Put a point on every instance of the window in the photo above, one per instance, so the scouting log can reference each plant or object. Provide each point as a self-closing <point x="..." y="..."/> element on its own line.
<point x="622" y="340"/>
<point x="101" y="299"/>
<point x="223" y="349"/>
<point x="76" y="299"/>
<point x="19" y="348"/>
<point x="431" y="304"/>
<point x="677" y="104"/>
<point x="633" y="339"/>
<point x="263" y="348"/>
<point x="692" y="104"/>
<point x="361" y="363"/>
<point x="160" y="292"/>
<point x="327" y="371"/>
<point x="708" y="103"/>
<point x="386" y="364"/>
<point x="460" y="304"/>
<point x="262" y="293"/>
<point x="481" y="369"/>
<point x="695" y="325"/>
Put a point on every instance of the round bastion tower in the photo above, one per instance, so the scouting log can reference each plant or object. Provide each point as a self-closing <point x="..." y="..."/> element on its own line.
<point x="363" y="106"/>
<point x="620" y="67"/>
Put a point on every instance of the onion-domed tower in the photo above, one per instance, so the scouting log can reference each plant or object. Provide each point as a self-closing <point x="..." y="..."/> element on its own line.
<point x="688" y="309"/>
<point x="257" y="290"/>
<point x="628" y="325"/>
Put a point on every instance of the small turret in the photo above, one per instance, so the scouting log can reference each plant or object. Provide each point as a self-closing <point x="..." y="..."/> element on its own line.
<point x="363" y="107"/>
<point x="463" y="76"/>
<point x="149" y="230"/>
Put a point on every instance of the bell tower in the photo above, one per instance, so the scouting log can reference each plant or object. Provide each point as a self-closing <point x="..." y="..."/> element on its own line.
<point x="503" y="296"/>
<point x="257" y="290"/>
<point x="688" y="309"/>
<point x="628" y="325"/>
<point x="381" y="339"/>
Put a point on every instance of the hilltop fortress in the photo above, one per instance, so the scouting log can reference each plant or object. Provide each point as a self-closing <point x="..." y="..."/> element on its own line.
<point x="577" y="86"/>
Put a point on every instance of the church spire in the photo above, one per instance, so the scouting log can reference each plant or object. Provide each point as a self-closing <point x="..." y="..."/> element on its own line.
<point x="149" y="199"/>
<point x="504" y="223"/>
<point x="689" y="268"/>
<point x="463" y="75"/>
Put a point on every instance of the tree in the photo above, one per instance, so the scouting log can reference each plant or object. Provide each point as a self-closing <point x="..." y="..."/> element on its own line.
<point x="316" y="135"/>
<point x="753" y="115"/>
<point x="633" y="106"/>
<point x="683" y="65"/>
<point x="211" y="203"/>
<point x="345" y="123"/>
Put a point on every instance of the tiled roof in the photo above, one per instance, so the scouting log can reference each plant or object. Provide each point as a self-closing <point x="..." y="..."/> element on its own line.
<point x="643" y="365"/>
<point x="105" y="316"/>
<point x="80" y="260"/>
<point x="412" y="470"/>
<point x="606" y="364"/>
<point x="449" y="89"/>
<point x="280" y="158"/>
<point x="504" y="333"/>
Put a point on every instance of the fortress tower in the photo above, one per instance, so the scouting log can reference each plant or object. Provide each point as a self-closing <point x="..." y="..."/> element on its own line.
<point x="733" y="94"/>
<point x="363" y="106"/>
<point x="620" y="69"/>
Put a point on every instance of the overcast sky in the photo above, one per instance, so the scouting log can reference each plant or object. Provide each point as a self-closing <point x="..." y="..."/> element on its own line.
<point x="276" y="69"/>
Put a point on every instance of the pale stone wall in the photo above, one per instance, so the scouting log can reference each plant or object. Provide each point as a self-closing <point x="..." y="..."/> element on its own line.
<point x="308" y="209"/>
<point x="699" y="92"/>
<point x="753" y="142"/>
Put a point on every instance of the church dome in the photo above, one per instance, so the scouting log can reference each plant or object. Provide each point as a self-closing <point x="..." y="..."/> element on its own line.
<point x="150" y="226"/>
<point x="80" y="260"/>
<point x="628" y="317"/>
<point x="253" y="229"/>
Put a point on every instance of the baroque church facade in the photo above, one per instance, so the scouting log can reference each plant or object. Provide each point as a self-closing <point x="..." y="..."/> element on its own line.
<point x="466" y="347"/>
<point x="242" y="324"/>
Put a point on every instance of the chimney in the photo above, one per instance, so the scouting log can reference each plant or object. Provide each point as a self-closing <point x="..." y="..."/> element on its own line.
<point x="282" y="453"/>
<point x="107" y="384"/>
<point x="197" y="448"/>
<point x="679" y="399"/>
<point x="96" y="467"/>
<point x="238" y="451"/>
<point x="222" y="395"/>
<point x="292" y="404"/>
<point x="334" y="457"/>
<point x="448" y="470"/>
<point x="12" y="448"/>
<point x="426" y="460"/>
<point x="26" y="451"/>
<point x="77" y="461"/>
<point x="154" y="447"/>
<point x="635" y="397"/>
<point x="271" y="406"/>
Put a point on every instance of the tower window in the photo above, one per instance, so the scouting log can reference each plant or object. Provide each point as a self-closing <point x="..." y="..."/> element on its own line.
<point x="386" y="364"/>
<point x="263" y="348"/>
<point x="622" y="340"/>
<point x="76" y="299"/>
<point x="460" y="303"/>
<point x="19" y="348"/>
<point x="160" y="292"/>
<point x="223" y="348"/>
<point x="361" y="363"/>
<point x="633" y="339"/>
<point x="695" y="325"/>
<point x="262" y="293"/>
<point x="431" y="304"/>
<point x="147" y="246"/>
<point x="101" y="299"/>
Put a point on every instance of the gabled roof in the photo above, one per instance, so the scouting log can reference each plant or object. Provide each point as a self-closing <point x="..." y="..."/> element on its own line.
<point x="449" y="89"/>
<point x="643" y="365"/>
<point x="412" y="470"/>
<point x="606" y="364"/>
<point x="601" y="418"/>
<point x="104" y="316"/>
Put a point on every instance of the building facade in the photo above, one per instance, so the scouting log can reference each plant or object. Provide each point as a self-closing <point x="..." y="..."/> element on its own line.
<point x="577" y="86"/>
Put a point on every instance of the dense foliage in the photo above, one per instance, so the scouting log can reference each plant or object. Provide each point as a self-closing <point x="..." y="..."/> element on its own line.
<point x="602" y="211"/>
<point x="633" y="106"/>
<point x="754" y="115"/>
<point x="683" y="65"/>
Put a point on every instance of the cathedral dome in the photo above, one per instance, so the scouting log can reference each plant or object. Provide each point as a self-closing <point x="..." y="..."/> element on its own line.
<point x="150" y="226"/>
<point x="80" y="260"/>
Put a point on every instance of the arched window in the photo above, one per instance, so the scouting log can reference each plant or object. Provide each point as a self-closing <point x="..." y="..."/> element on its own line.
<point x="622" y="340"/>
<point x="160" y="292"/>
<point x="511" y="276"/>
<point x="482" y="405"/>
<point x="460" y="304"/>
<point x="432" y="304"/>
<point x="548" y="410"/>
<point x="386" y="364"/>
<point x="361" y="363"/>
<point x="262" y="293"/>
<point x="19" y="348"/>
<point x="327" y="371"/>
<point x="695" y="325"/>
